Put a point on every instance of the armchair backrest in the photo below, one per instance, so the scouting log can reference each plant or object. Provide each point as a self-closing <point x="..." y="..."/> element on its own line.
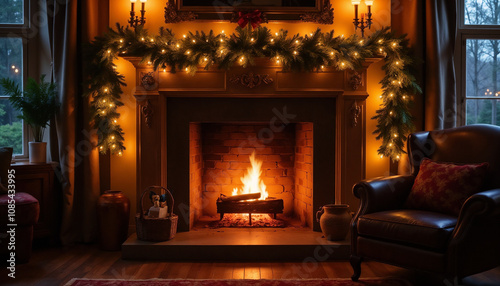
<point x="467" y="144"/>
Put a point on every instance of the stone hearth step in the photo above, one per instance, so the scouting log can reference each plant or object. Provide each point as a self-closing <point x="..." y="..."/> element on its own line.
<point x="239" y="244"/>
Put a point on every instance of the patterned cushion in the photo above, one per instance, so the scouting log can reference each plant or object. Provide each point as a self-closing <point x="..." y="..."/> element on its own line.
<point x="444" y="187"/>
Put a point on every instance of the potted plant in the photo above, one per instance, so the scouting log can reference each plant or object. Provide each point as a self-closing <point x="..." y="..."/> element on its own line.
<point x="38" y="104"/>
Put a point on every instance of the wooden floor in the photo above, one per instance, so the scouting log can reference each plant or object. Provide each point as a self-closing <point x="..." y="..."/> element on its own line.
<point x="56" y="266"/>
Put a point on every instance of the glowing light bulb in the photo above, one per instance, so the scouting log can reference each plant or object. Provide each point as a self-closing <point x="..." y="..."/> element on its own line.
<point x="322" y="67"/>
<point x="252" y="39"/>
<point x="188" y="52"/>
<point x="104" y="101"/>
<point x="142" y="39"/>
<point x="361" y="42"/>
<point x="356" y="54"/>
<point x="109" y="51"/>
<point x="294" y="52"/>
<point x="390" y="144"/>
<point x="120" y="153"/>
<point x="331" y="53"/>
<point x="113" y="146"/>
<point x="404" y="96"/>
<point x="343" y="64"/>
<point x="241" y="59"/>
<point x="163" y="51"/>
<point x="272" y="40"/>
<point x="13" y="66"/>
<point x="277" y="61"/>
<point x="390" y="113"/>
<point x="184" y="36"/>
<point x="379" y="41"/>
<point x="205" y="59"/>
<point x="103" y="112"/>
<point x="178" y="45"/>
<point x="187" y="69"/>
<point x="397" y="63"/>
<point x="381" y="156"/>
<point x="112" y="137"/>
<point x="391" y="95"/>
<point x="111" y="105"/>
<point x="381" y="50"/>
<point x="296" y="41"/>
<point x="121" y="40"/>
<point x="221" y="40"/>
<point x="395" y="135"/>
<point x="152" y="40"/>
<point x="394" y="44"/>
<point x="194" y="41"/>
<point x="149" y="63"/>
<point x="276" y="34"/>
<point x="114" y="121"/>
<point x="222" y="32"/>
<point x="100" y="148"/>
<point x="397" y="157"/>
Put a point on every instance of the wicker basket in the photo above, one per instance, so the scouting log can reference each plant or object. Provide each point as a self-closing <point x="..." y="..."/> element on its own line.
<point x="156" y="229"/>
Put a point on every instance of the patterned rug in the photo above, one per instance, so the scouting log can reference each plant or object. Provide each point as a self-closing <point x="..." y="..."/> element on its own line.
<point x="207" y="282"/>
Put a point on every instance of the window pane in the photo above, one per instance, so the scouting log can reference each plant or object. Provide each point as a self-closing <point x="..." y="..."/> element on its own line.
<point x="11" y="62"/>
<point x="482" y="68"/>
<point x="482" y="12"/>
<point x="483" y="111"/>
<point x="11" y="12"/>
<point x="11" y="127"/>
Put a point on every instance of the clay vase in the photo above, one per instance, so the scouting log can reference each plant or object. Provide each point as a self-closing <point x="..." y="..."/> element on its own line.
<point x="334" y="221"/>
<point x="113" y="214"/>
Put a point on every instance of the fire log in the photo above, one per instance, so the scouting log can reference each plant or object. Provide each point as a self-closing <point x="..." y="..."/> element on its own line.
<point x="244" y="197"/>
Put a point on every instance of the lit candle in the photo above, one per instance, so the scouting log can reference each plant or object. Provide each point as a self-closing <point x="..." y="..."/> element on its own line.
<point x="143" y="7"/>
<point x="132" y="3"/>
<point x="356" y="3"/>
<point x="369" y="4"/>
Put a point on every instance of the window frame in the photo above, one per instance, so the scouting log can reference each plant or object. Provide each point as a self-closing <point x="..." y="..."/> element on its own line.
<point x="464" y="33"/>
<point x="20" y="31"/>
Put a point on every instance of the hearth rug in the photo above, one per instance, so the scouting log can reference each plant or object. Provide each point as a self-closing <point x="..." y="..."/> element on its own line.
<point x="238" y="282"/>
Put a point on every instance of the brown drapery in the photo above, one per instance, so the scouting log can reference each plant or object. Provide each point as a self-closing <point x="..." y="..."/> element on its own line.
<point x="70" y="24"/>
<point x="431" y="27"/>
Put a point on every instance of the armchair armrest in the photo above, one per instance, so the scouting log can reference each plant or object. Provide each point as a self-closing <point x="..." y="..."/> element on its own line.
<point x="382" y="194"/>
<point x="483" y="204"/>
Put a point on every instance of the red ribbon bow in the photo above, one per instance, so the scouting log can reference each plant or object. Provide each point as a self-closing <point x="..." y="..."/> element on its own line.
<point x="252" y="17"/>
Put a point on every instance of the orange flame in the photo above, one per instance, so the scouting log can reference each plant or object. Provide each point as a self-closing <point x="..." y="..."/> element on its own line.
<point x="252" y="183"/>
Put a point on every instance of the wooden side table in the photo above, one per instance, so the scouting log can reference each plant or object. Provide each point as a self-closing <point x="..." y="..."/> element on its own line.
<point x="38" y="181"/>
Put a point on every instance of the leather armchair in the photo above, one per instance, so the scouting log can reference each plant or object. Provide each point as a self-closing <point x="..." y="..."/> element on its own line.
<point x="456" y="247"/>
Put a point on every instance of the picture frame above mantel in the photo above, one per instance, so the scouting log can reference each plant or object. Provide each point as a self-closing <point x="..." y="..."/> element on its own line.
<point x="316" y="11"/>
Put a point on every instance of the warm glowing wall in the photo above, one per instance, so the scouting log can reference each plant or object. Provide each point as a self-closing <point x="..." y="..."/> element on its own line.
<point x="123" y="169"/>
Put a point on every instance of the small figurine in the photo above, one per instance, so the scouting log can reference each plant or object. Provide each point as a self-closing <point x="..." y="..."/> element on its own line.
<point x="158" y="210"/>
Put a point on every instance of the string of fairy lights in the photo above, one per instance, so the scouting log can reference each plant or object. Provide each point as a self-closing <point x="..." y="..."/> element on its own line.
<point x="199" y="50"/>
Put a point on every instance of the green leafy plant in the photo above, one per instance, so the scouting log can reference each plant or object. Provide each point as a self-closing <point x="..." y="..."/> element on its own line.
<point x="38" y="103"/>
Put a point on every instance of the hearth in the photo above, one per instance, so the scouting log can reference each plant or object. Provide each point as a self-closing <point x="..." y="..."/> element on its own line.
<point x="196" y="135"/>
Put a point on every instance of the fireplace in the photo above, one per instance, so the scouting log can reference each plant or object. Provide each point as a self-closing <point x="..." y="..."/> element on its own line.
<point x="196" y="136"/>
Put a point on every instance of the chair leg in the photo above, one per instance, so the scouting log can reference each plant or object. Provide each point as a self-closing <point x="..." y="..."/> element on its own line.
<point x="356" y="267"/>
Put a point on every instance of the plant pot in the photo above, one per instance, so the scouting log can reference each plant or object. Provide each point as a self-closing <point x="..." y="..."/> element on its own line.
<point x="113" y="210"/>
<point x="334" y="221"/>
<point x="38" y="152"/>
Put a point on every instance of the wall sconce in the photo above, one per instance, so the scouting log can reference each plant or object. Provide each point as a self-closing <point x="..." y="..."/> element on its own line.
<point x="362" y="24"/>
<point x="134" y="20"/>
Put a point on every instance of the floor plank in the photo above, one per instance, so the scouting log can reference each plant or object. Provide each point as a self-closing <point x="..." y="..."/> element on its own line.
<point x="57" y="265"/>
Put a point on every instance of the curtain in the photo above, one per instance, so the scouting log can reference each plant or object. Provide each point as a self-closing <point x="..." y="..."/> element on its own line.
<point x="431" y="27"/>
<point x="70" y="24"/>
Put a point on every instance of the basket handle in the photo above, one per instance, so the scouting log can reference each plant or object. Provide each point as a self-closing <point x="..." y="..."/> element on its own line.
<point x="170" y="199"/>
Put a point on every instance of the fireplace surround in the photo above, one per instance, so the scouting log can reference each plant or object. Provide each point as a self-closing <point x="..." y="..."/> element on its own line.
<point x="171" y="107"/>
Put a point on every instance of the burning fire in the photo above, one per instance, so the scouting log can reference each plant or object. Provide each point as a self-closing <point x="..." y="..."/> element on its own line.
<point x="252" y="183"/>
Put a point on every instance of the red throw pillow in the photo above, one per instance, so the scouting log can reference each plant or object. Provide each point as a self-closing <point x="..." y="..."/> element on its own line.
<point x="444" y="187"/>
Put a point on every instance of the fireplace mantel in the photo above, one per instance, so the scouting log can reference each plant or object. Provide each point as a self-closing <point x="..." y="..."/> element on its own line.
<point x="265" y="79"/>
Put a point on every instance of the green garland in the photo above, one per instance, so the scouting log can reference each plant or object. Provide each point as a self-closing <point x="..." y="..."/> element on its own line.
<point x="295" y="53"/>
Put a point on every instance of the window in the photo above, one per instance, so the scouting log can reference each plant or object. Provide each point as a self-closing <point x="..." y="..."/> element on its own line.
<point x="478" y="66"/>
<point x="12" y="65"/>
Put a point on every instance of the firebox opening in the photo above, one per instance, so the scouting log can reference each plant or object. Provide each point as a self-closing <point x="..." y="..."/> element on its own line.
<point x="230" y="159"/>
